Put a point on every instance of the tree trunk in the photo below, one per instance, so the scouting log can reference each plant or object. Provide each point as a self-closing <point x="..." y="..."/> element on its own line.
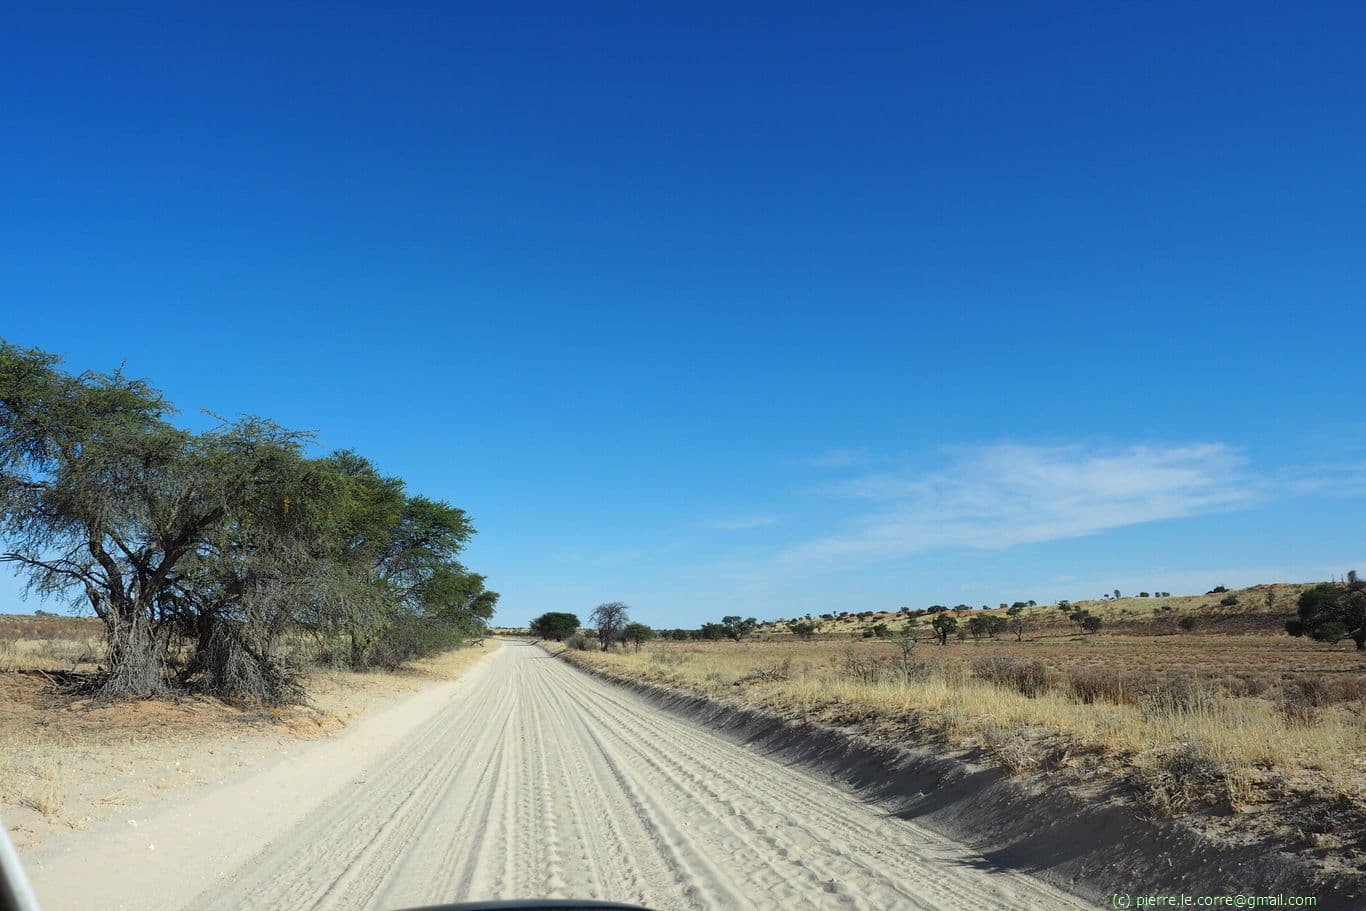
<point x="137" y="667"/>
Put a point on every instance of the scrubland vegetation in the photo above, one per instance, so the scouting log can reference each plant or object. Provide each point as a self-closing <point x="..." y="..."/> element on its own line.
<point x="220" y="562"/>
<point x="1227" y="721"/>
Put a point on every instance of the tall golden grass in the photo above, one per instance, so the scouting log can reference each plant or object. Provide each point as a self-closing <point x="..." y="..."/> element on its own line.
<point x="1139" y="729"/>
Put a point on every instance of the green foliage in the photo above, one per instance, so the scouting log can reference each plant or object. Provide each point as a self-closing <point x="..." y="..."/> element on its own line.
<point x="1333" y="611"/>
<point x="736" y="628"/>
<point x="1092" y="623"/>
<point x="944" y="624"/>
<point x="637" y="634"/>
<point x="222" y="540"/>
<point x="1331" y="631"/>
<point x="802" y="629"/>
<point x="1188" y="622"/>
<point x="556" y="625"/>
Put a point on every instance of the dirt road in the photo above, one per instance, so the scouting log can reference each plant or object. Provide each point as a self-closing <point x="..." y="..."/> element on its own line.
<point x="538" y="780"/>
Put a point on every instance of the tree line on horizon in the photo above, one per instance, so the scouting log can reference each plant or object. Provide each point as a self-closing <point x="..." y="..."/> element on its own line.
<point x="209" y="555"/>
<point x="1328" y="612"/>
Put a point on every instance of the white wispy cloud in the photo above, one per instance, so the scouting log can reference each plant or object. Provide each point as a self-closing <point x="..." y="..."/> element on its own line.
<point x="1341" y="479"/>
<point x="1003" y="495"/>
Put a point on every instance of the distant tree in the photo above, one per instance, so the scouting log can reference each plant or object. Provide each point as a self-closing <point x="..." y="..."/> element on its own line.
<point x="1032" y="603"/>
<point x="879" y="631"/>
<point x="1116" y="593"/>
<point x="556" y="625"/>
<point x="962" y="607"/>
<point x="1018" y="605"/>
<point x="1091" y="623"/>
<point x="737" y="628"/>
<point x="935" y="609"/>
<point x="1332" y="611"/>
<point x="1217" y="590"/>
<point x="944" y="624"/>
<point x="1064" y="604"/>
<point x="977" y="626"/>
<point x="1188" y="622"/>
<point x="1015" y="610"/>
<point x="996" y="626"/>
<point x="637" y="634"/>
<point x="1228" y="600"/>
<point x="1017" y="626"/>
<point x="712" y="631"/>
<point x="1080" y="617"/>
<point x="609" y="620"/>
<point x="802" y="629"/>
<point x="1143" y="594"/>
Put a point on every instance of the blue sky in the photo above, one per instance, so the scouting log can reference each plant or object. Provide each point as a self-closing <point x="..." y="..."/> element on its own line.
<point x="737" y="308"/>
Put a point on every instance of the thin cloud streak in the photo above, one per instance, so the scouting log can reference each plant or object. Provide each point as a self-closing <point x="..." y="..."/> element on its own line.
<point x="1004" y="495"/>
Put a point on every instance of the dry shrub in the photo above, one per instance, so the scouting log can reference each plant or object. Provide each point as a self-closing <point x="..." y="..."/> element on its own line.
<point x="1091" y="685"/>
<point x="238" y="670"/>
<point x="1183" y="778"/>
<point x="1179" y="694"/>
<point x="1303" y="700"/>
<point x="771" y="674"/>
<point x="1245" y="685"/>
<point x="1028" y="677"/>
<point x="865" y="669"/>
<point x="1351" y="689"/>
<point x="1009" y="749"/>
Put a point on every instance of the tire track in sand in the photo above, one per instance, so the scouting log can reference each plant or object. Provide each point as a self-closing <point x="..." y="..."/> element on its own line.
<point x="538" y="780"/>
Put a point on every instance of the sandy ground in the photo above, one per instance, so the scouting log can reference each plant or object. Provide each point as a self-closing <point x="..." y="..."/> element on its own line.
<point x="72" y="764"/>
<point x="525" y="778"/>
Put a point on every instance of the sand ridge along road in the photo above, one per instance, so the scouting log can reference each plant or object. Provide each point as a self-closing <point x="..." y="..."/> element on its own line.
<point x="540" y="781"/>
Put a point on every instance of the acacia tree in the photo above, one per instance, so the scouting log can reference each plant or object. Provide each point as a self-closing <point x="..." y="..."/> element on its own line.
<point x="1332" y="611"/>
<point x="224" y="539"/>
<point x="609" y="620"/>
<point x="637" y="634"/>
<point x="943" y="625"/>
<point x="557" y="625"/>
<point x="103" y="500"/>
<point x="736" y="628"/>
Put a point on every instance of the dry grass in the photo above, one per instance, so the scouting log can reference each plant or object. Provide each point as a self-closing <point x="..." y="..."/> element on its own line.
<point x="1249" y="738"/>
<point x="1245" y="736"/>
<point x="67" y="644"/>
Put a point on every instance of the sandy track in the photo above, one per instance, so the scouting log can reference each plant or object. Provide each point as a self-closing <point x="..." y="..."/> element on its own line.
<point x="541" y="781"/>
